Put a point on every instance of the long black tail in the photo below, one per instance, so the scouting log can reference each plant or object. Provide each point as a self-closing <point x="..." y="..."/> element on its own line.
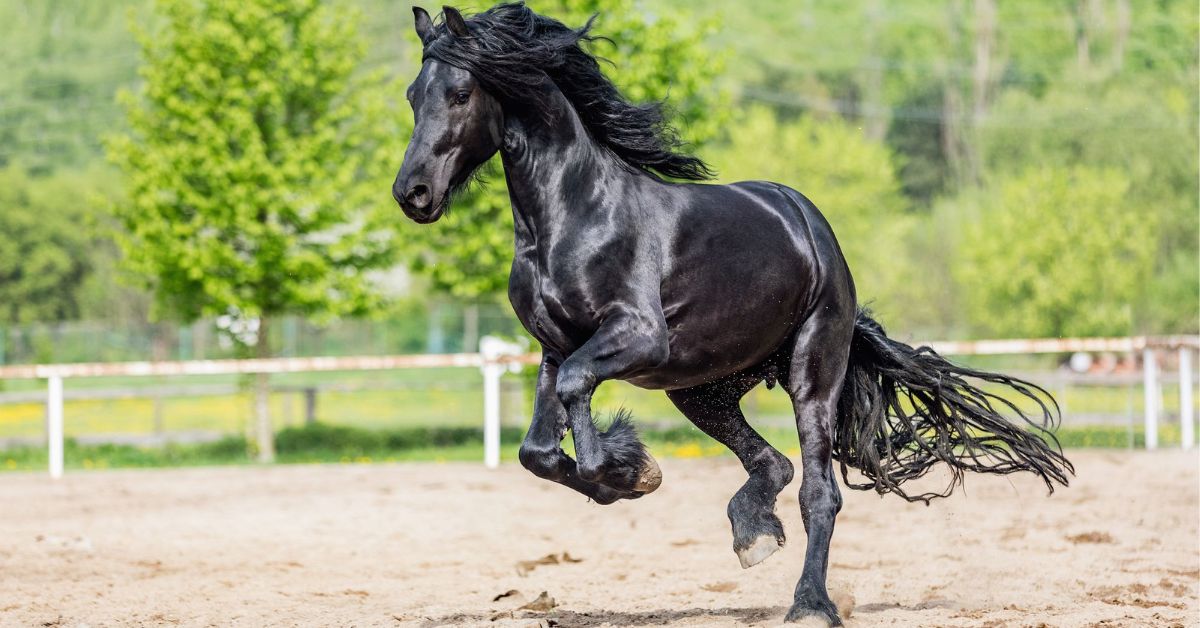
<point x="903" y="410"/>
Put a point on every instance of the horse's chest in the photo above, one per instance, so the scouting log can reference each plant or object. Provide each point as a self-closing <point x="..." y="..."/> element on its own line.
<point x="533" y="299"/>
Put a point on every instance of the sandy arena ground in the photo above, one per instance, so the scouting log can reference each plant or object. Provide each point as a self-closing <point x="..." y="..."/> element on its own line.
<point x="431" y="545"/>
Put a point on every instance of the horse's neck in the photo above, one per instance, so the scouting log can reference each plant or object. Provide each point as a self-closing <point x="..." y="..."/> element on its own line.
<point x="550" y="166"/>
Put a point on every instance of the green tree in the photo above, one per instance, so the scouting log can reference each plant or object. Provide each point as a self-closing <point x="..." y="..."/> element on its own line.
<point x="257" y="166"/>
<point x="44" y="253"/>
<point x="1054" y="251"/>
<point x="468" y="253"/>
<point x="850" y="178"/>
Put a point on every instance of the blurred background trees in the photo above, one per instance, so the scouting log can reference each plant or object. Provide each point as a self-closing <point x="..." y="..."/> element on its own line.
<point x="250" y="163"/>
<point x="44" y="251"/>
<point x="1017" y="168"/>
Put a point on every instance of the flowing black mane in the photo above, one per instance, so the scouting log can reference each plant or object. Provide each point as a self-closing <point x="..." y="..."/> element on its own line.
<point x="511" y="50"/>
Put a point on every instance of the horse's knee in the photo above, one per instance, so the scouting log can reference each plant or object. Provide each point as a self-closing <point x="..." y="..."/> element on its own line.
<point x="541" y="462"/>
<point x="774" y="466"/>
<point x="574" y="385"/>
<point x="631" y="342"/>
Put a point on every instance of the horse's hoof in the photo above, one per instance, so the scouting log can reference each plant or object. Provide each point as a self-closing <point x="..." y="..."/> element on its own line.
<point x="757" y="532"/>
<point x="649" y="478"/>
<point x="811" y="620"/>
<point x="758" y="550"/>
<point x="812" y="610"/>
<point x="812" y="617"/>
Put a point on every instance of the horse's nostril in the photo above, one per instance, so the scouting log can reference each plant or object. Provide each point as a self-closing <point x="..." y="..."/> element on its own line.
<point x="418" y="195"/>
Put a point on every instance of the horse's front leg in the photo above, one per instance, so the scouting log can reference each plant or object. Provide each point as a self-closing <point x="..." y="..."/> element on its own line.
<point x="542" y="453"/>
<point x="627" y="341"/>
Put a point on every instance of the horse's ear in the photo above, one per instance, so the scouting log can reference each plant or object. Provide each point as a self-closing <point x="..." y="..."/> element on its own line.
<point x="423" y="24"/>
<point x="455" y="22"/>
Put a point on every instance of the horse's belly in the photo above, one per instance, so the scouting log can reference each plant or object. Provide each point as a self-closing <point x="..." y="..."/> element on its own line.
<point x="733" y="325"/>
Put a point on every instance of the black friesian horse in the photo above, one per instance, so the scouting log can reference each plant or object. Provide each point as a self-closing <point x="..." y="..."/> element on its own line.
<point x="702" y="291"/>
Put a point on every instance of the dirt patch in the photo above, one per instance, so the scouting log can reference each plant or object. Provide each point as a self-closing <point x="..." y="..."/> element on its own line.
<point x="1091" y="537"/>
<point x="416" y="545"/>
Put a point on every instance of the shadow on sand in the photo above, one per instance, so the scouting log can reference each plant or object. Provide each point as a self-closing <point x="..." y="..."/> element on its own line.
<point x="586" y="619"/>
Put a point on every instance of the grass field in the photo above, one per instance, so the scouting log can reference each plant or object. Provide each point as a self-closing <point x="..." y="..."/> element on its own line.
<point x="392" y="399"/>
<point x="321" y="443"/>
<point x="431" y="415"/>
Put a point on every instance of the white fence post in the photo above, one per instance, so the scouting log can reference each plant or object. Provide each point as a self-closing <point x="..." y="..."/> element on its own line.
<point x="1150" y="383"/>
<point x="491" y="414"/>
<point x="492" y="349"/>
<point x="54" y="424"/>
<point x="1186" y="409"/>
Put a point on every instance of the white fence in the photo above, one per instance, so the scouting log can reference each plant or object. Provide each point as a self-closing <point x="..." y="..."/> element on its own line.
<point x="497" y="357"/>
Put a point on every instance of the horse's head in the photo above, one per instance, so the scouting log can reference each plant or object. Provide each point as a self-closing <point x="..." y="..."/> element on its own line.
<point x="458" y="127"/>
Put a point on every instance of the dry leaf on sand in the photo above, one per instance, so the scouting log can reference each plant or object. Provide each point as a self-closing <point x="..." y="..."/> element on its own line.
<point x="526" y="566"/>
<point x="508" y="593"/>
<point x="543" y="603"/>
<point x="1091" y="537"/>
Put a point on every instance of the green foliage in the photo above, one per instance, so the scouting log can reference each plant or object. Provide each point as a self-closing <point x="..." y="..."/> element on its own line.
<point x="468" y="253"/>
<point x="227" y="450"/>
<point x="341" y="440"/>
<point x="851" y="179"/>
<point x="62" y="60"/>
<point x="44" y="252"/>
<point x="1034" y="261"/>
<point x="257" y="162"/>
<point x="1151" y="141"/>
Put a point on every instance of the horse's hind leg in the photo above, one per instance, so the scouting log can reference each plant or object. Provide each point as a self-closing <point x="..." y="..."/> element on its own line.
<point x="757" y="532"/>
<point x="815" y="382"/>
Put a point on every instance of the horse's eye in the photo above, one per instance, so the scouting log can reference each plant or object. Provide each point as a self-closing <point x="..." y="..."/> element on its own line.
<point x="461" y="97"/>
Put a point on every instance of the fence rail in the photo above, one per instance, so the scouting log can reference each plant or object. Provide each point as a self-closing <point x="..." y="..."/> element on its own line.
<point x="498" y="357"/>
<point x="252" y="366"/>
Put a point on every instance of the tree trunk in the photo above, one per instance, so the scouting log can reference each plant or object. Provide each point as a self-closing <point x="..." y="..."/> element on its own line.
<point x="985" y="43"/>
<point x="199" y="339"/>
<point x="1083" y="48"/>
<point x="982" y="82"/>
<point x="954" y="117"/>
<point x="1124" y="23"/>
<point x="874" y="111"/>
<point x="264" y="434"/>
<point x="471" y="328"/>
<point x="435" y="341"/>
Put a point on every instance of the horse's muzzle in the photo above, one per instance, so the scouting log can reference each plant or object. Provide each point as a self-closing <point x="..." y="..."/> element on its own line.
<point x="417" y="201"/>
